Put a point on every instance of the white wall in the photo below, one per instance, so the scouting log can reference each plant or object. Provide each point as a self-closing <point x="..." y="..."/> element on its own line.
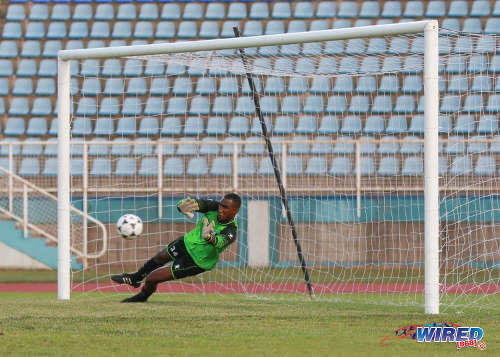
<point x="258" y="233"/>
<point x="14" y="259"/>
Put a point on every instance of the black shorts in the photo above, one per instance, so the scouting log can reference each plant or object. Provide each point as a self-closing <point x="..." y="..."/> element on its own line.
<point x="183" y="265"/>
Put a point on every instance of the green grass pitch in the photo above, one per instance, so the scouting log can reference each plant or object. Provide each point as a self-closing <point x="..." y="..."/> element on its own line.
<point x="36" y="324"/>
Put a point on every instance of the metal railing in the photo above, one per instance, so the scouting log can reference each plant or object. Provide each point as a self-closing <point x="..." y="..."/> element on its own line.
<point x="28" y="189"/>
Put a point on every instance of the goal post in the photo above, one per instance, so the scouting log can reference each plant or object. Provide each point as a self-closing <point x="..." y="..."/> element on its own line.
<point x="431" y="59"/>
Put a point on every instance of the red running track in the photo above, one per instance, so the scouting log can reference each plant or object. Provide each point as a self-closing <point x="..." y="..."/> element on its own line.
<point x="255" y="288"/>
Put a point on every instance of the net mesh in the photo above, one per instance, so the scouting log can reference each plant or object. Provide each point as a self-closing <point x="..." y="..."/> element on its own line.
<point x="346" y="123"/>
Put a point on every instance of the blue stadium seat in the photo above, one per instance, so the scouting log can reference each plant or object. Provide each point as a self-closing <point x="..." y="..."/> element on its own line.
<point x="188" y="148"/>
<point x="254" y="148"/>
<point x="488" y="124"/>
<point x="6" y="68"/>
<point x="81" y="127"/>
<point x="206" y="86"/>
<point x="274" y="85"/>
<point x="299" y="145"/>
<point x="97" y="149"/>
<point x="83" y="12"/>
<point x="297" y="85"/>
<point x="398" y="46"/>
<point x="259" y="11"/>
<point x="227" y="31"/>
<point x="388" y="166"/>
<point x="473" y="104"/>
<point x="216" y="11"/>
<point x="388" y="145"/>
<point x="485" y="166"/>
<point x="41" y="107"/>
<point x="413" y="166"/>
<point x="51" y="167"/>
<point x="159" y="86"/>
<point x="472" y="25"/>
<point x="366" y="85"/>
<point x="143" y="147"/>
<point x="294" y="165"/>
<point x="171" y="12"/>
<point x="48" y="68"/>
<point x="126" y="126"/>
<point x="396" y="125"/>
<point x="173" y="166"/>
<point x="208" y="147"/>
<point x="12" y="31"/>
<point x="187" y="29"/>
<point x="392" y="9"/>
<point x="492" y="26"/>
<point x="8" y="49"/>
<point x="351" y="125"/>
<point x="104" y="12"/>
<point x="461" y="165"/>
<point x="269" y="105"/>
<point x="148" y="126"/>
<point x="464" y="124"/>
<point x="216" y="126"/>
<point x="132" y="106"/>
<point x="283" y="125"/>
<point x="18" y="107"/>
<point x="197" y="166"/>
<point x="228" y="149"/>
<point x="319" y="147"/>
<point x="313" y="104"/>
<point x="493" y="105"/>
<point x="435" y="9"/>
<point x="369" y="10"/>
<point x="56" y="31"/>
<point x="336" y="105"/>
<point x="4" y="149"/>
<point x="455" y="145"/>
<point x="340" y="166"/>
<point x="265" y="167"/>
<point x="480" y="8"/>
<point x="281" y="10"/>
<point x="37" y="127"/>
<point x="414" y="9"/>
<point x="238" y="125"/>
<point x="246" y="166"/>
<point x="411" y="145"/>
<point x="192" y="11"/>
<point x="15" y="12"/>
<point x="374" y="125"/>
<point x="167" y="147"/>
<point x="154" y="106"/>
<point x="359" y="104"/>
<point x="4" y="88"/>
<point x="45" y="86"/>
<point x="344" y="145"/>
<point x="125" y="167"/>
<point x="221" y="166"/>
<point x="458" y="84"/>
<point x="199" y="106"/>
<point x="133" y="68"/>
<point x="347" y="9"/>
<point x="29" y="167"/>
<point x="148" y="167"/>
<point x="136" y="86"/>
<point x="256" y="128"/>
<point x="274" y="27"/>
<point x="477" y="144"/>
<point x="450" y="104"/>
<point x="209" y="29"/>
<point x="126" y="12"/>
<point x="14" y="127"/>
<point x="194" y="126"/>
<point x="91" y="86"/>
<point x="22" y="86"/>
<point x="30" y="49"/>
<point x="306" y="125"/>
<point x="171" y="126"/>
<point x="321" y="85"/>
<point x="444" y="124"/>
<point x="391" y="64"/>
<point x="277" y="144"/>
<point x="458" y="8"/>
<point x="34" y="31"/>
<point x="376" y="46"/>
<point x="311" y="49"/>
<point x="367" y="145"/>
<point x="244" y="106"/>
<point x="222" y="105"/>
<point x="165" y="30"/>
<point x="412" y="84"/>
<point x="382" y="105"/>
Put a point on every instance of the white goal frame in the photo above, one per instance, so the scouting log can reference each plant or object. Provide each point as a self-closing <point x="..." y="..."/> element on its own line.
<point x="430" y="30"/>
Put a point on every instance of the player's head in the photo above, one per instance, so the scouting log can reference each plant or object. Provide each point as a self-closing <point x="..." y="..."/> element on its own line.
<point x="228" y="207"/>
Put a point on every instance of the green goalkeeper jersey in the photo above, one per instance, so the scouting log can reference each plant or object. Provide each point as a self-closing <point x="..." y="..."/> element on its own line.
<point x="204" y="254"/>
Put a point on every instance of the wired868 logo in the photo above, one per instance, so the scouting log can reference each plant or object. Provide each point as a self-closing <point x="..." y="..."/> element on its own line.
<point x="462" y="336"/>
<point x="439" y="332"/>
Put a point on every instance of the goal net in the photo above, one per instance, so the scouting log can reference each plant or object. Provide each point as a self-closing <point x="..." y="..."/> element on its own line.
<point x="346" y="121"/>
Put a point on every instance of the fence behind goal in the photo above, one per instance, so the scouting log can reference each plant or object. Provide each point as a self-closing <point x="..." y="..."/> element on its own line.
<point x="346" y="118"/>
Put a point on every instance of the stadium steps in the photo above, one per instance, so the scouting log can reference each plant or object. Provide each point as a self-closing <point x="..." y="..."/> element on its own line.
<point x="33" y="247"/>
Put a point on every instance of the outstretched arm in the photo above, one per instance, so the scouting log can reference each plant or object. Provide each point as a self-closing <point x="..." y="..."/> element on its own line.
<point x="207" y="205"/>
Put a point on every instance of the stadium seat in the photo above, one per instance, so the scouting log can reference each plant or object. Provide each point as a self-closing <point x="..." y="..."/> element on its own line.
<point x="13" y="31"/>
<point x="458" y="8"/>
<point x="374" y="125"/>
<point x="15" y="12"/>
<point x="493" y="105"/>
<point x="216" y="126"/>
<point x="208" y="147"/>
<point x="480" y="8"/>
<point x="458" y="84"/>
<point x="238" y="125"/>
<point x="464" y="124"/>
<point x="340" y="166"/>
<point x="297" y="85"/>
<point x="477" y="144"/>
<point x="473" y="103"/>
<point x="29" y="167"/>
<point x="306" y="125"/>
<point x="4" y="149"/>
<point x="344" y="145"/>
<point x="22" y="86"/>
<point x="435" y="9"/>
<point x="294" y="165"/>
<point x="388" y="145"/>
<point x="461" y="165"/>
<point x="222" y="106"/>
<point x="265" y="167"/>
<point x="173" y="166"/>
<point x="472" y="25"/>
<point x="396" y="125"/>
<point x="216" y="11"/>
<point x="41" y="107"/>
<point x="96" y="149"/>
<point x="351" y="124"/>
<point x="313" y="105"/>
<point x="37" y="127"/>
<point x="148" y="167"/>
<point x="246" y="166"/>
<point x="167" y="147"/>
<point x="14" y="127"/>
<point x="83" y="12"/>
<point x="125" y="167"/>
<point x="321" y="145"/>
<point x="126" y="12"/>
<point x="392" y="9"/>
<point x="143" y="147"/>
<point x="492" y="26"/>
<point x="51" y="167"/>
<point x="274" y="85"/>
<point x="256" y="128"/>
<point x="228" y="149"/>
<point x="8" y="49"/>
<point x="283" y="125"/>
<point x="254" y="148"/>
<point x="6" y="68"/>
<point x="197" y="166"/>
<point x="199" y="106"/>
<point x="412" y="84"/>
<point x="382" y="105"/>
<point x="34" y="31"/>
<point x="45" y="86"/>
<point x="411" y="145"/>
<point x="455" y="145"/>
<point x="221" y="166"/>
<point x="299" y="146"/>
<point x="336" y="105"/>
<point x="244" y="106"/>
<point x="31" y="147"/>
<point x="488" y="124"/>
<point x="18" y="106"/>
<point x="388" y="166"/>
<point x="188" y="148"/>
<point x="81" y="127"/>
<point x="413" y="166"/>
<point x="30" y="49"/>
<point x="450" y="104"/>
<point x="485" y="166"/>
<point x="4" y="88"/>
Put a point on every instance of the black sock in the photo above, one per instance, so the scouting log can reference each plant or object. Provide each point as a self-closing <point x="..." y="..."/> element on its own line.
<point x="147" y="292"/>
<point x="147" y="268"/>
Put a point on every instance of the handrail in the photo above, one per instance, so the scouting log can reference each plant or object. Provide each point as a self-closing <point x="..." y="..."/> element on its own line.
<point x="26" y="224"/>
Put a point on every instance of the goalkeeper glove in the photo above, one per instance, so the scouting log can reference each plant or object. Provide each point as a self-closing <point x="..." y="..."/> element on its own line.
<point x="207" y="232"/>
<point x="187" y="206"/>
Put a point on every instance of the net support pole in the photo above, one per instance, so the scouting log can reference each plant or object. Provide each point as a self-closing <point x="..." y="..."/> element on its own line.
<point x="431" y="168"/>
<point x="277" y="173"/>
<point x="63" y="181"/>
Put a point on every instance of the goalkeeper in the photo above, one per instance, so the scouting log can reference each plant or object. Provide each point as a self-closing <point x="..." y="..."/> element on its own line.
<point x="192" y="254"/>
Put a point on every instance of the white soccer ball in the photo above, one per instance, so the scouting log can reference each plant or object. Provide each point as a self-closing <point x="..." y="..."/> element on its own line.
<point x="129" y="226"/>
